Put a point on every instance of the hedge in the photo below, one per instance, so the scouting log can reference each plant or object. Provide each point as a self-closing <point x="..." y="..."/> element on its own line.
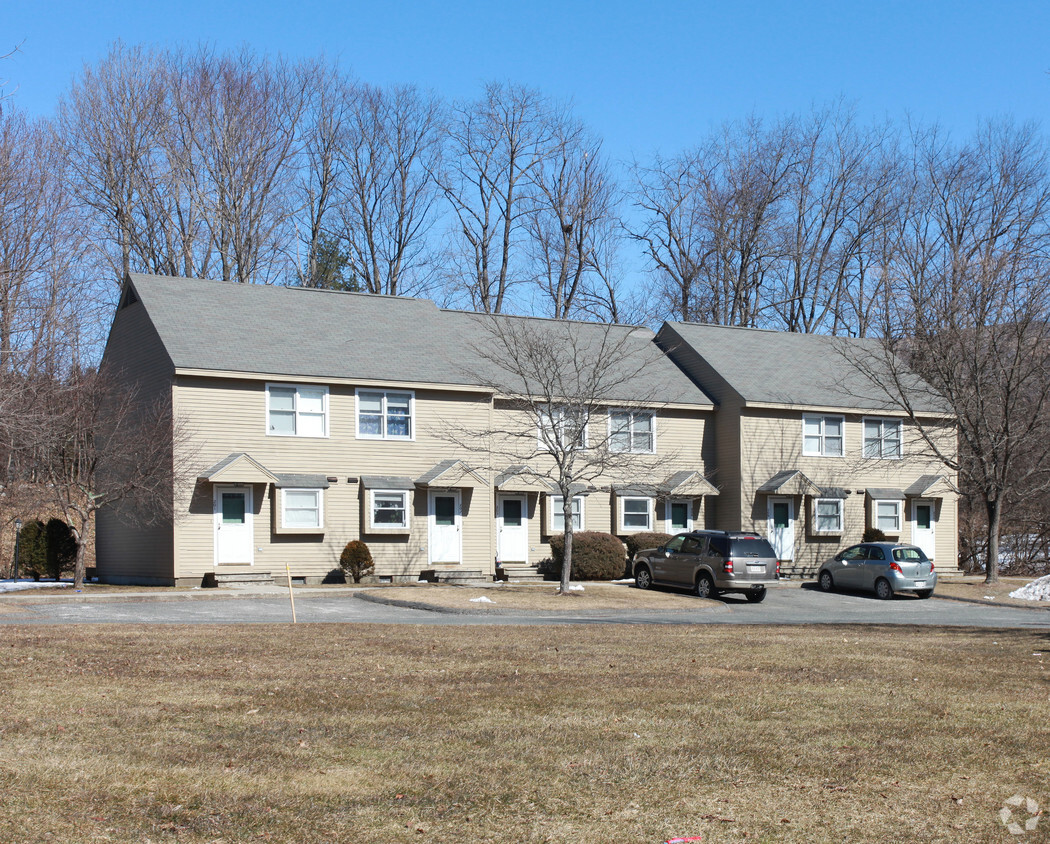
<point x="595" y="555"/>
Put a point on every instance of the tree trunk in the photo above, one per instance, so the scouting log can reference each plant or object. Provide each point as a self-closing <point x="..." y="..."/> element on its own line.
<point x="995" y="512"/>
<point x="566" y="569"/>
<point x="82" y="536"/>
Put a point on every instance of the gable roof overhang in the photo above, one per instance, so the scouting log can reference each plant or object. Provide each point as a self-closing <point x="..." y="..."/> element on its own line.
<point x="238" y="467"/>
<point x="520" y="478"/>
<point x="451" y="473"/>
<point x="790" y="482"/>
<point x="688" y="483"/>
<point x="931" y="486"/>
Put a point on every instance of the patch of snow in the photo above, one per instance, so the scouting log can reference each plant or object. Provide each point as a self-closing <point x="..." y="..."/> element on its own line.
<point x="1037" y="590"/>
<point x="989" y="597"/>
<point x="21" y="585"/>
<point x="482" y="600"/>
<point x="575" y="587"/>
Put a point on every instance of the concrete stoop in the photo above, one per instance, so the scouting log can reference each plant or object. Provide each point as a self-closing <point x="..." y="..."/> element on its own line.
<point x="527" y="573"/>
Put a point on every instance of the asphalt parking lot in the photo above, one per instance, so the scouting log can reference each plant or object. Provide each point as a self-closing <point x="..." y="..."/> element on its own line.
<point x="788" y="604"/>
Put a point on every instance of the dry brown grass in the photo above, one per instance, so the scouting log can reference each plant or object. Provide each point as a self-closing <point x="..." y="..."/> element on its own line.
<point x="975" y="589"/>
<point x="353" y="733"/>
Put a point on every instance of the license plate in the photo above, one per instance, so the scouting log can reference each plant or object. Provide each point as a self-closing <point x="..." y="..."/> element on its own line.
<point x="755" y="569"/>
<point x="920" y="583"/>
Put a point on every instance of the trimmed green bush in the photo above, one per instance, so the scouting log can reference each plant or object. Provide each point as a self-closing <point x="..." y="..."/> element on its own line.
<point x="873" y="534"/>
<point x="32" y="550"/>
<point x="636" y="542"/>
<point x="61" y="554"/>
<point x="356" y="560"/>
<point x="595" y="555"/>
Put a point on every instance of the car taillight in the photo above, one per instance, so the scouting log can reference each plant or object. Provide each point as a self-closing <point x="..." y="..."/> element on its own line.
<point x="896" y="568"/>
<point x="727" y="566"/>
<point x="778" y="568"/>
<point x="931" y="565"/>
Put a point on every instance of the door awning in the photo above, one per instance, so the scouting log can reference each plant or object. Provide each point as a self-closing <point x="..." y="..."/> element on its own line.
<point x="520" y="479"/>
<point x="789" y="482"/>
<point x="240" y="468"/>
<point x="931" y="486"/>
<point x="688" y="484"/>
<point x="451" y="474"/>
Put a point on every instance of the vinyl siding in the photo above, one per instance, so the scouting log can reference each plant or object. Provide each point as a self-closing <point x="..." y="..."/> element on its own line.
<point x="135" y="359"/>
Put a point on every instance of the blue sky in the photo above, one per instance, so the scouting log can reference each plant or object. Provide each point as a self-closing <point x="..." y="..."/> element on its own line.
<point x="646" y="77"/>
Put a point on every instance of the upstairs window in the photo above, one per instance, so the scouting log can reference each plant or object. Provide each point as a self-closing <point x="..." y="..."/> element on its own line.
<point x="631" y="431"/>
<point x="385" y="415"/>
<point x="823" y="436"/>
<point x="562" y="428"/>
<point x="296" y="411"/>
<point x="882" y="438"/>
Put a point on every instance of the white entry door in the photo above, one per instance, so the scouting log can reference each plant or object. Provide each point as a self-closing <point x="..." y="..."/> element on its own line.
<point x="512" y="526"/>
<point x="782" y="527"/>
<point x="924" y="526"/>
<point x="233" y="525"/>
<point x="446" y="527"/>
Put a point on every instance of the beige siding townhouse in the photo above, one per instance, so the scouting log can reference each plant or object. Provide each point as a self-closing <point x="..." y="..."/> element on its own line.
<point x="810" y="451"/>
<point x="311" y="418"/>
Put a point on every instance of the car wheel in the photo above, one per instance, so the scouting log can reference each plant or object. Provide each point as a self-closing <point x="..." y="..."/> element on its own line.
<point x="883" y="590"/>
<point x="643" y="579"/>
<point x="756" y="596"/>
<point x="705" y="587"/>
<point x="924" y="593"/>
<point x="826" y="583"/>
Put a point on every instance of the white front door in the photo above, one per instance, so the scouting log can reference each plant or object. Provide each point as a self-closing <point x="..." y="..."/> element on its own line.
<point x="679" y="515"/>
<point x="782" y="527"/>
<point x="233" y="525"/>
<point x="446" y="527"/>
<point x="512" y="527"/>
<point x="924" y="526"/>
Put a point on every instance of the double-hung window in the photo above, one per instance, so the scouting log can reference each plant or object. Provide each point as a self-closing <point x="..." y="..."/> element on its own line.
<point x="385" y="415"/>
<point x="887" y="515"/>
<point x="636" y="513"/>
<point x="302" y="509"/>
<point x="823" y="436"/>
<point x="558" y="514"/>
<point x="296" y="410"/>
<point x="631" y="431"/>
<point x="562" y="428"/>
<point x="882" y="438"/>
<point x="827" y="515"/>
<point x="389" y="509"/>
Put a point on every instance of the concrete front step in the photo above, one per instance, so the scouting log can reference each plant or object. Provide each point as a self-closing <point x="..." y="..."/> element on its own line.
<point x="462" y="576"/>
<point x="521" y="573"/>
<point x="243" y="577"/>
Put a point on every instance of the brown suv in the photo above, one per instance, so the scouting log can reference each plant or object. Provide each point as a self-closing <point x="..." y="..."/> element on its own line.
<point x="709" y="562"/>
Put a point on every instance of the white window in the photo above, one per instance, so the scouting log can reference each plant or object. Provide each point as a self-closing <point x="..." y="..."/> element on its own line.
<point x="562" y="427"/>
<point x="302" y="509"/>
<point x="296" y="411"/>
<point x="631" y="431"/>
<point x="679" y="515"/>
<point x="882" y="438"/>
<point x="823" y="435"/>
<point x="636" y="513"/>
<point x="558" y="515"/>
<point x="887" y="516"/>
<point x="827" y="515"/>
<point x="385" y="415"/>
<point x="389" y="509"/>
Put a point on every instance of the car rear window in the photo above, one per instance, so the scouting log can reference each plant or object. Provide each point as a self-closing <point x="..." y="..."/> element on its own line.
<point x="752" y="548"/>
<point x="909" y="555"/>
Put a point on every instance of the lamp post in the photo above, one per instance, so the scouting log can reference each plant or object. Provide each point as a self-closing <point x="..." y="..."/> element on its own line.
<point x="18" y="536"/>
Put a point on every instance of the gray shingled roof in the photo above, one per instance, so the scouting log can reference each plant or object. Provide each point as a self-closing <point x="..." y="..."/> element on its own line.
<point x="814" y="370"/>
<point x="290" y="331"/>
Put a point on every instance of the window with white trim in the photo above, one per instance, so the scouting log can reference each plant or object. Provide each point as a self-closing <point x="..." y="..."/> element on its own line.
<point x="302" y="509"/>
<point x="385" y="415"/>
<point x="887" y="515"/>
<point x="882" y="438"/>
<point x="389" y="509"/>
<point x="296" y="410"/>
<point x="823" y="436"/>
<point x="562" y="427"/>
<point x="636" y="513"/>
<point x="632" y="431"/>
<point x="558" y="514"/>
<point x="827" y="515"/>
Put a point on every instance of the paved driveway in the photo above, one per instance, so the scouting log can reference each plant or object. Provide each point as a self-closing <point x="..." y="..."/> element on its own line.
<point x="788" y="604"/>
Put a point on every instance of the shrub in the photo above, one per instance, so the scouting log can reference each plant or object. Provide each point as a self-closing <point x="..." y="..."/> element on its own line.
<point x="636" y="542"/>
<point x="32" y="550"/>
<point x="873" y="534"/>
<point x="356" y="560"/>
<point x="61" y="553"/>
<point x="595" y="555"/>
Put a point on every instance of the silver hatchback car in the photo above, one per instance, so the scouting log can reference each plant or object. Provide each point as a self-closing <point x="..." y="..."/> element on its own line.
<point x="882" y="567"/>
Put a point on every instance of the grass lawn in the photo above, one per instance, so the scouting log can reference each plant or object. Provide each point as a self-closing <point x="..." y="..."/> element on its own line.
<point x="354" y="733"/>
